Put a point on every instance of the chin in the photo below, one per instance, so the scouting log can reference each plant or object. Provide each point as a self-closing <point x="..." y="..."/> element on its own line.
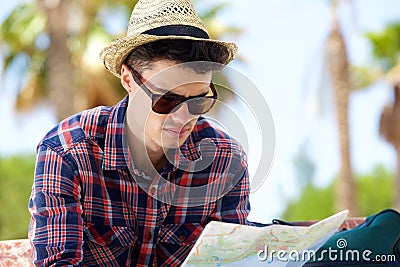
<point x="167" y="142"/>
<point x="172" y="144"/>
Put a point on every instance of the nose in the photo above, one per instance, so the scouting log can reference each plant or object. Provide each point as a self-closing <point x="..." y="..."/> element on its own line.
<point x="182" y="114"/>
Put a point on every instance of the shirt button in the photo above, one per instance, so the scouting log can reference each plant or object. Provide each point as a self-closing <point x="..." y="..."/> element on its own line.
<point x="182" y="238"/>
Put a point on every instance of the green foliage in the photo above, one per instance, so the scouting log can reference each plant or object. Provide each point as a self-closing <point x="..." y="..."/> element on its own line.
<point x="314" y="203"/>
<point x="362" y="76"/>
<point x="386" y="45"/>
<point x="375" y="192"/>
<point x="16" y="178"/>
<point x="20" y="31"/>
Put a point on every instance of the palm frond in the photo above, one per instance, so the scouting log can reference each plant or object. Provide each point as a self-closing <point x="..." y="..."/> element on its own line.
<point x="363" y="76"/>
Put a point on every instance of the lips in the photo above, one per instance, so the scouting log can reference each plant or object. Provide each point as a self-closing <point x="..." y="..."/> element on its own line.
<point x="177" y="132"/>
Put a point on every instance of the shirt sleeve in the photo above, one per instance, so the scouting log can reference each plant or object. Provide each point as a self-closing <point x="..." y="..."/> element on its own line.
<point x="55" y="229"/>
<point x="234" y="207"/>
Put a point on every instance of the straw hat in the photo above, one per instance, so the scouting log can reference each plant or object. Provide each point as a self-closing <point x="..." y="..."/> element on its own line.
<point x="153" y="20"/>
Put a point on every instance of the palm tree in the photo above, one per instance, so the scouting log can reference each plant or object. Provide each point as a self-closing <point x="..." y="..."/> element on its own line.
<point x="339" y="73"/>
<point x="389" y="128"/>
<point x="62" y="72"/>
<point x="58" y="70"/>
<point x="386" y="51"/>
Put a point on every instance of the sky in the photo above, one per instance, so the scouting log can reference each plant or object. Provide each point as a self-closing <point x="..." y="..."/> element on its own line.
<point x="282" y="44"/>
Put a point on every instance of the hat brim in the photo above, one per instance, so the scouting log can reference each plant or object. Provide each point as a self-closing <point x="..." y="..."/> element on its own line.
<point x="114" y="55"/>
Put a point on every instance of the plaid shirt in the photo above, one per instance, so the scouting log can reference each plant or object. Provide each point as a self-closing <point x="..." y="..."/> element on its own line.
<point x="89" y="209"/>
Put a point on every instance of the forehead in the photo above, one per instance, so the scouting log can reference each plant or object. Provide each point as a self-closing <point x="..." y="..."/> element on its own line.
<point x="168" y="75"/>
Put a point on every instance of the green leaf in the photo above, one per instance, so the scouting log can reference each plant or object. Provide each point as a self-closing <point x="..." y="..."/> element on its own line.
<point x="386" y="45"/>
<point x="363" y="76"/>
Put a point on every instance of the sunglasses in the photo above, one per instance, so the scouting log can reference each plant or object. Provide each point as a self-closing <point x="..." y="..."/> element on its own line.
<point x="168" y="102"/>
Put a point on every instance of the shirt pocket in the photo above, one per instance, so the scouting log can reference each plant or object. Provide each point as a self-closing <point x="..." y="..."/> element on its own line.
<point x="107" y="235"/>
<point x="180" y="234"/>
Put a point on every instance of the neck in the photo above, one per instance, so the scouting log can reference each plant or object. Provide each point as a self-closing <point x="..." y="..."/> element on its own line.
<point x="149" y="158"/>
<point x="157" y="159"/>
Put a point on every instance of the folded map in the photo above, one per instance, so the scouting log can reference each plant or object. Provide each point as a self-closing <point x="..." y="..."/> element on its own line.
<point x="227" y="244"/>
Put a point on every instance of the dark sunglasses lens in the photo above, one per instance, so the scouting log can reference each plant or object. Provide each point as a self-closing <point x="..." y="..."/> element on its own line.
<point x="165" y="104"/>
<point x="200" y="105"/>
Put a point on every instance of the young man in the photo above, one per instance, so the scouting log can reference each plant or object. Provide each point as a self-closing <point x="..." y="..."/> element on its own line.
<point x="134" y="184"/>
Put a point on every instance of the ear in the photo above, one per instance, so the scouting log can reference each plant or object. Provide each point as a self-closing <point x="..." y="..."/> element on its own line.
<point x="126" y="79"/>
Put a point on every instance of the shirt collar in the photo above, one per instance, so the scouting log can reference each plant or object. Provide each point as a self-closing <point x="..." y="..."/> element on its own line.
<point x="115" y="150"/>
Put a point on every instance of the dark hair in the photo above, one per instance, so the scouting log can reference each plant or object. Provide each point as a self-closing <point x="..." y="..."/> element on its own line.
<point x="180" y="51"/>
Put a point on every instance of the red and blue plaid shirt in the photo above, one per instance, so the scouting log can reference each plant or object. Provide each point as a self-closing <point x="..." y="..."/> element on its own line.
<point x="88" y="208"/>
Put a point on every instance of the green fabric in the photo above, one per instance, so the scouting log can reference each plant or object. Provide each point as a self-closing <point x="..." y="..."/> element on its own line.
<point x="379" y="235"/>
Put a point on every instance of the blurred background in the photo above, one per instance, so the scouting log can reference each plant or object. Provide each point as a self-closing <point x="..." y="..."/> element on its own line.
<point x="329" y="71"/>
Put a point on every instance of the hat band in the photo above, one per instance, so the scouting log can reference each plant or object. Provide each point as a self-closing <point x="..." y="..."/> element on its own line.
<point x="178" y="30"/>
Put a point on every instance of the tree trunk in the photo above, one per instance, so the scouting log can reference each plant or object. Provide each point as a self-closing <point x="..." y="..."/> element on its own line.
<point x="337" y="60"/>
<point x="60" y="69"/>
